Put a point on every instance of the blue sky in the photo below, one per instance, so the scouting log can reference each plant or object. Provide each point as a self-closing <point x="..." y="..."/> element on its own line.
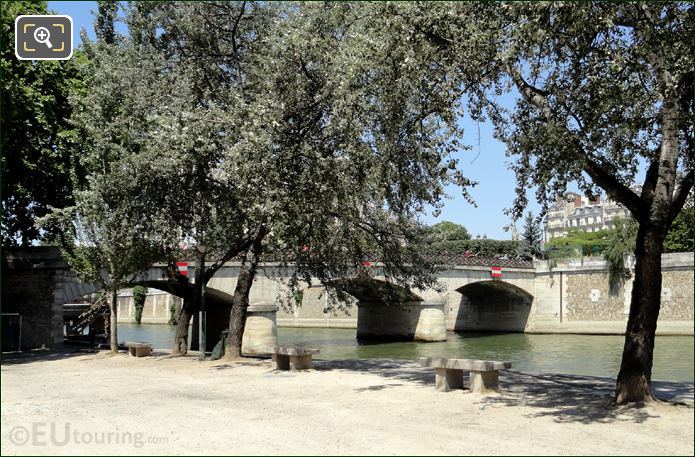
<point x="82" y="14"/>
<point x="485" y="164"/>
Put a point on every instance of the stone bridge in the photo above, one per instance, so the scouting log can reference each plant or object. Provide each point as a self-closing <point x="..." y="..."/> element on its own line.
<point x="570" y="297"/>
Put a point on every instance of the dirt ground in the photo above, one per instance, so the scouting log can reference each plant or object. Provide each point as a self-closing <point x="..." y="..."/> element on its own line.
<point x="99" y="404"/>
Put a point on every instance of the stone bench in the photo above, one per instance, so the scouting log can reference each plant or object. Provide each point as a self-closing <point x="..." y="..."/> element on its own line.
<point x="484" y="374"/>
<point x="293" y="357"/>
<point x="139" y="349"/>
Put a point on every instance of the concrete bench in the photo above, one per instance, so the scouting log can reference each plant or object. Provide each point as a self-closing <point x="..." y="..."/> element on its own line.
<point x="138" y="349"/>
<point x="484" y="374"/>
<point x="293" y="357"/>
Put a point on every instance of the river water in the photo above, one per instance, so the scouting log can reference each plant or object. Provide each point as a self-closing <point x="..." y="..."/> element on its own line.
<point x="592" y="355"/>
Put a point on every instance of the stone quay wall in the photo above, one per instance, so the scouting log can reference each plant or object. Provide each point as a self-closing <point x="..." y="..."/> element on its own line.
<point x="157" y="308"/>
<point x="575" y="297"/>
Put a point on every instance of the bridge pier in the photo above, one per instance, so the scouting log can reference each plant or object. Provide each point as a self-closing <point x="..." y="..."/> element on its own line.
<point x="407" y="321"/>
<point x="260" y="333"/>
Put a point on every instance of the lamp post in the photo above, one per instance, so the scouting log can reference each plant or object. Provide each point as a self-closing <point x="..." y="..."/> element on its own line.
<point x="201" y="248"/>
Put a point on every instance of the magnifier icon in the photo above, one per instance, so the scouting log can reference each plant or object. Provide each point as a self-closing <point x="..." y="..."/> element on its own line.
<point x="42" y="35"/>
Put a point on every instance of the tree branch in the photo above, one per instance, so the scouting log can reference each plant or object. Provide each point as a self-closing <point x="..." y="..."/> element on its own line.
<point x="607" y="181"/>
<point x="234" y="43"/>
<point x="681" y="194"/>
<point x="617" y="190"/>
<point x="650" y="181"/>
<point x="240" y="246"/>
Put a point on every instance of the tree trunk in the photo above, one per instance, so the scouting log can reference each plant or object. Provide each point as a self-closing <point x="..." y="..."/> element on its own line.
<point x="237" y="317"/>
<point x="182" y="323"/>
<point x="634" y="379"/>
<point x="189" y="309"/>
<point x="191" y="300"/>
<point x="113" y="321"/>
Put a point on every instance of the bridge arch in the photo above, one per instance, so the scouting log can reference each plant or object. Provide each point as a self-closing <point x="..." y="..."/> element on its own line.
<point x="390" y="312"/>
<point x="493" y="305"/>
<point x="376" y="290"/>
<point x="218" y="305"/>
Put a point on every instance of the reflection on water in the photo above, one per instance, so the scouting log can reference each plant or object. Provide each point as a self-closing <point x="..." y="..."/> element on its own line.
<point x="596" y="355"/>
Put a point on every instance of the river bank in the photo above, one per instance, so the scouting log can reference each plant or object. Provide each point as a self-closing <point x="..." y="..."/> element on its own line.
<point x="590" y="355"/>
<point x="164" y="405"/>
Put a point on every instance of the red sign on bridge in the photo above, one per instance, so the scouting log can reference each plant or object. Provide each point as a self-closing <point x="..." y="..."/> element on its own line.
<point x="496" y="272"/>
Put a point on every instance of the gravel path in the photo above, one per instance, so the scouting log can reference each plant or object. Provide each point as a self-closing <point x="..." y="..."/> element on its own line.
<point x="98" y="404"/>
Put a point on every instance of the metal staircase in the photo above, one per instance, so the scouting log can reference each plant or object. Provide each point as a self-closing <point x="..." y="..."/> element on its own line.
<point x="98" y="309"/>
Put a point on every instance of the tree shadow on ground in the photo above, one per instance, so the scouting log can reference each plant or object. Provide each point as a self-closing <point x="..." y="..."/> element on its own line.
<point x="44" y="355"/>
<point x="580" y="399"/>
<point x="377" y="388"/>
<point x="235" y="364"/>
<point x="401" y="370"/>
<point x="565" y="398"/>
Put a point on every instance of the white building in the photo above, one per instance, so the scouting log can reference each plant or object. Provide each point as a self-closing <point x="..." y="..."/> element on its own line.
<point x="578" y="211"/>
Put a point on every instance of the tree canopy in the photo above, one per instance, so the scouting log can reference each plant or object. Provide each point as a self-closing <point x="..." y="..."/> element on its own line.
<point x="577" y="242"/>
<point x="38" y="142"/>
<point x="682" y="232"/>
<point x="448" y="231"/>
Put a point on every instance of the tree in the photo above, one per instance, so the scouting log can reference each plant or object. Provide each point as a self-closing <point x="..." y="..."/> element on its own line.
<point x="478" y="247"/>
<point x="364" y="137"/>
<point x="619" y="242"/>
<point x="600" y="87"/>
<point x="448" y="231"/>
<point x="38" y="143"/>
<point x="149" y="112"/>
<point x="301" y="173"/>
<point x="106" y="236"/>
<point x="530" y="246"/>
<point x="202" y="107"/>
<point x="285" y="138"/>
<point x="101" y="242"/>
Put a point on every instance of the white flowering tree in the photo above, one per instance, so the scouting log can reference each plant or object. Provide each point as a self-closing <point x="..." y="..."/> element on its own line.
<point x="268" y="130"/>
